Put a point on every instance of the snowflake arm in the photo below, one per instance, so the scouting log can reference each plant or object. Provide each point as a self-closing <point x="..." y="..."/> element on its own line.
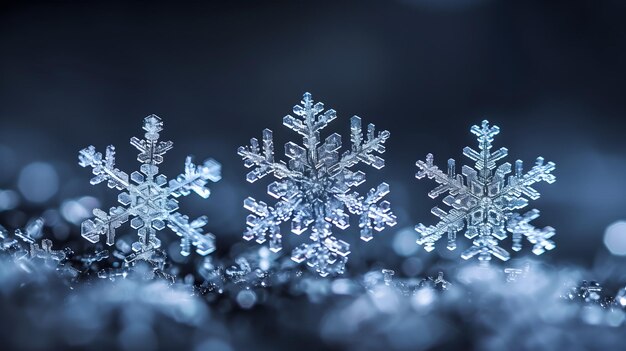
<point x="266" y="220"/>
<point x="103" y="169"/>
<point x="373" y="215"/>
<point x="104" y="224"/>
<point x="448" y="182"/>
<point x="195" y="178"/>
<point x="520" y="226"/>
<point x="151" y="150"/>
<point x="450" y="223"/>
<point x="520" y="183"/>
<point x="46" y="252"/>
<point x="311" y="122"/>
<point x="191" y="234"/>
<point x="363" y="149"/>
<point x="264" y="161"/>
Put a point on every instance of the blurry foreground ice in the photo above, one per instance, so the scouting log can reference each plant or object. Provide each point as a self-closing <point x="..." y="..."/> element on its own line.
<point x="236" y="302"/>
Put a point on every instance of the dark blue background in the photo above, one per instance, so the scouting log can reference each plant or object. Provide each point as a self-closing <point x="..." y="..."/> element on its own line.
<point x="550" y="74"/>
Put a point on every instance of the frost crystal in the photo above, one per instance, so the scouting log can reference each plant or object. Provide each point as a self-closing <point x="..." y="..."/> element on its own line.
<point x="89" y="259"/>
<point x="586" y="291"/>
<point x="25" y="245"/>
<point x="313" y="187"/>
<point x="147" y="197"/>
<point x="513" y="274"/>
<point x="483" y="201"/>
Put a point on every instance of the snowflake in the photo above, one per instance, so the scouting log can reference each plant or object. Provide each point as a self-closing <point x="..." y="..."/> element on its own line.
<point x="514" y="274"/>
<point x="483" y="201"/>
<point x="148" y="198"/>
<point x="25" y="246"/>
<point x="313" y="187"/>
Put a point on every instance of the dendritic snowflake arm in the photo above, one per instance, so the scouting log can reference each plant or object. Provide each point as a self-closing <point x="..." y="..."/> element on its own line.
<point x="450" y="223"/>
<point x="195" y="178"/>
<point x="482" y="200"/>
<point x="103" y="169"/>
<point x="311" y="121"/>
<point x="363" y="149"/>
<point x="520" y="184"/>
<point x="448" y="182"/>
<point x="191" y="234"/>
<point x="374" y="216"/>
<point x="263" y="162"/>
<point x="147" y="200"/>
<point x="485" y="159"/>
<point x="104" y="224"/>
<point x="265" y="220"/>
<point x="313" y="187"/>
<point x="151" y="150"/>
<point x="520" y="226"/>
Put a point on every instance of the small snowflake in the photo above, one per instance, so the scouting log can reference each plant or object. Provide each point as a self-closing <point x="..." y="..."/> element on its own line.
<point x="25" y="245"/>
<point x="513" y="274"/>
<point x="147" y="197"/>
<point x="313" y="187"/>
<point x="484" y="202"/>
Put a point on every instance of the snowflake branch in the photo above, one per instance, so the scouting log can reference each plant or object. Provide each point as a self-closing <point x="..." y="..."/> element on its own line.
<point x="266" y="219"/>
<point x="264" y="162"/>
<point x="151" y="150"/>
<point x="191" y="234"/>
<point x="362" y="151"/>
<point x="195" y="178"/>
<point x="104" y="224"/>
<point x="450" y="182"/>
<point x="103" y="169"/>
<point x="521" y="183"/>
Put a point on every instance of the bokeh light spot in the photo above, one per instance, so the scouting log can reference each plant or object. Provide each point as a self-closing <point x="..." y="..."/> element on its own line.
<point x="404" y="243"/>
<point x="615" y="238"/>
<point x="246" y="299"/>
<point x="38" y="182"/>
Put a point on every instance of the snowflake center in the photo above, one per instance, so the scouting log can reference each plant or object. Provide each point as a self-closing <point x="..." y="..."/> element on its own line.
<point x="486" y="201"/>
<point x="317" y="188"/>
<point x="149" y="200"/>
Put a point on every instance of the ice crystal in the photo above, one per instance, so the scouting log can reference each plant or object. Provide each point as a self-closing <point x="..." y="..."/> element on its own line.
<point x="87" y="260"/>
<point x="25" y="246"/>
<point x="588" y="292"/>
<point x="313" y="187"/>
<point x="439" y="282"/>
<point x="148" y="264"/>
<point x="513" y="274"/>
<point x="411" y="286"/>
<point x="484" y="202"/>
<point x="147" y="198"/>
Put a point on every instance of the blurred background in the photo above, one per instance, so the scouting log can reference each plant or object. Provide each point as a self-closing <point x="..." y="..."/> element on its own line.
<point x="550" y="74"/>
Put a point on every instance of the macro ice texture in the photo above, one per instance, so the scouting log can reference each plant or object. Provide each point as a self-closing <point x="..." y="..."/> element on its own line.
<point x="313" y="187"/>
<point x="147" y="199"/>
<point x="484" y="202"/>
